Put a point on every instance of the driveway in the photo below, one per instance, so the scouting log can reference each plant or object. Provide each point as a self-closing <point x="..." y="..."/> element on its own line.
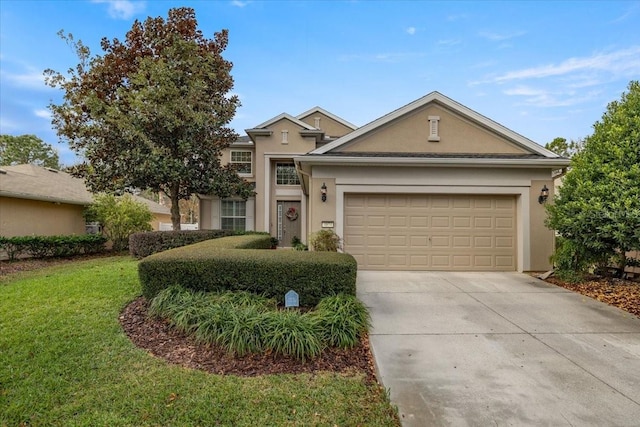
<point x="505" y="349"/>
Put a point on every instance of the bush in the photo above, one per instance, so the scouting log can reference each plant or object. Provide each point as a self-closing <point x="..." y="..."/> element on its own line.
<point x="325" y="240"/>
<point x="342" y="320"/>
<point x="149" y="243"/>
<point x="120" y="217"/>
<point x="243" y="323"/>
<point x="206" y="266"/>
<point x="52" y="246"/>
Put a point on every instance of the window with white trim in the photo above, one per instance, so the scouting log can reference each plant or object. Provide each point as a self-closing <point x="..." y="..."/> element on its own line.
<point x="285" y="136"/>
<point x="233" y="215"/>
<point x="242" y="161"/>
<point x="433" y="128"/>
<point x="286" y="174"/>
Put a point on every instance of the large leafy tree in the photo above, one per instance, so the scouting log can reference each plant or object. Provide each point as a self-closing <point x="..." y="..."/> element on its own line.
<point x="597" y="210"/>
<point x="563" y="147"/>
<point x="27" y="149"/>
<point x="153" y="111"/>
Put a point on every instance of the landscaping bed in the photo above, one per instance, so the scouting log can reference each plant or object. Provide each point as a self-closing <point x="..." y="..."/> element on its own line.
<point x="160" y="339"/>
<point x="624" y="294"/>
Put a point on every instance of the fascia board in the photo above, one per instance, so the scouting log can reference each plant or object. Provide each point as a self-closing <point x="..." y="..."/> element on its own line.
<point x="447" y="102"/>
<point x="413" y="161"/>
<point x="328" y="114"/>
<point x="42" y="198"/>
<point x="284" y="116"/>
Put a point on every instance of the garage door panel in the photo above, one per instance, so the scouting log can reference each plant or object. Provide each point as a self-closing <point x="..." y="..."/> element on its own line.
<point x="431" y="232"/>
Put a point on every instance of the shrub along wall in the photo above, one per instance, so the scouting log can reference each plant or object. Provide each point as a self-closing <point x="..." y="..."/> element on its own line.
<point x="230" y="264"/>
<point x="52" y="246"/>
<point x="145" y="244"/>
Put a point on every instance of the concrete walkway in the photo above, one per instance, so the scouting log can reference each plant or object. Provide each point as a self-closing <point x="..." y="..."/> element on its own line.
<point x="504" y="349"/>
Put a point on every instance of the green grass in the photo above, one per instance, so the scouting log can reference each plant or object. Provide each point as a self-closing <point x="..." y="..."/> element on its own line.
<point x="64" y="361"/>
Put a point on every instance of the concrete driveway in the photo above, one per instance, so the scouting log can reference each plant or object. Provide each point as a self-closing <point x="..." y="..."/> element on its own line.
<point x="502" y="349"/>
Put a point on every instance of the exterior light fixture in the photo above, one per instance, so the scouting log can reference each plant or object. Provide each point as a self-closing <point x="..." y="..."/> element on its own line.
<point x="544" y="194"/>
<point x="323" y="192"/>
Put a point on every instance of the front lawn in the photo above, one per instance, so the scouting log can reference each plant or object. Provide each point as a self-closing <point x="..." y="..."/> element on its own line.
<point x="65" y="361"/>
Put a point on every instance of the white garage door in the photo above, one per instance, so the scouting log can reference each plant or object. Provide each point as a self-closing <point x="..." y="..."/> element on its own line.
<point x="431" y="232"/>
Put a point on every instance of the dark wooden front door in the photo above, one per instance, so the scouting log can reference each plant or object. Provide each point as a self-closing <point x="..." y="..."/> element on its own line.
<point x="289" y="220"/>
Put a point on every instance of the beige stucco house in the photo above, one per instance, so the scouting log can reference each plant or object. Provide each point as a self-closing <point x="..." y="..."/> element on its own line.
<point x="432" y="185"/>
<point x="46" y="202"/>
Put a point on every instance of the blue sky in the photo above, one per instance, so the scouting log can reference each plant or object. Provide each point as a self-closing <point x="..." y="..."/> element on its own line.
<point x="542" y="69"/>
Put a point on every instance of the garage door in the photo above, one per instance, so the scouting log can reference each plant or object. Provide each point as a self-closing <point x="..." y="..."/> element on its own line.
<point x="431" y="232"/>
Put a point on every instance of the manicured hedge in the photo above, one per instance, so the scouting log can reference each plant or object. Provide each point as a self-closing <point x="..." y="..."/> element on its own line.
<point x="149" y="243"/>
<point x="52" y="246"/>
<point x="214" y="266"/>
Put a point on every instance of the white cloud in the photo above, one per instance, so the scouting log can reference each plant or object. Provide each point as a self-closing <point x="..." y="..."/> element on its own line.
<point x="30" y="79"/>
<point x="411" y="30"/>
<point x="448" y="42"/>
<point x="42" y="113"/>
<point x="549" y="98"/>
<point x="239" y="3"/>
<point x="622" y="62"/>
<point x="123" y="9"/>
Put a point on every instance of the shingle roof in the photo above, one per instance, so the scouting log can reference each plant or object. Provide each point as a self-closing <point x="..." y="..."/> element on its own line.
<point x="50" y="185"/>
<point x="38" y="183"/>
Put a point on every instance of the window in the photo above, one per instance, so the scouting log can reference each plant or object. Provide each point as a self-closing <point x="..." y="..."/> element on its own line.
<point x="242" y="161"/>
<point x="233" y="215"/>
<point x="286" y="174"/>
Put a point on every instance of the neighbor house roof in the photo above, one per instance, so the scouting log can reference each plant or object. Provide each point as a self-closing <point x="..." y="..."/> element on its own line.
<point x="44" y="184"/>
<point x="438" y="98"/>
<point x="50" y="185"/>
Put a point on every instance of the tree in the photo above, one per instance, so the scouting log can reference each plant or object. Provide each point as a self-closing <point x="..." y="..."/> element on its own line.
<point x="562" y="147"/>
<point x="27" y="149"/>
<point x="597" y="211"/>
<point x="120" y="217"/>
<point x="152" y="112"/>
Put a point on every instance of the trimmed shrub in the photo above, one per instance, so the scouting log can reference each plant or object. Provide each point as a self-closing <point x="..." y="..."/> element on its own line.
<point x="325" y="240"/>
<point x="52" y="246"/>
<point x="144" y="244"/>
<point x="219" y="265"/>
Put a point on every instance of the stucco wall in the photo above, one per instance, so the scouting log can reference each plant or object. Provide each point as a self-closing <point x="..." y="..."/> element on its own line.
<point x="329" y="126"/>
<point x="542" y="239"/>
<point x="410" y="134"/>
<point x="22" y="217"/>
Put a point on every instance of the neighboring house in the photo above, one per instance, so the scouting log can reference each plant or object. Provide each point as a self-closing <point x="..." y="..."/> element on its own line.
<point x="432" y="185"/>
<point x="161" y="213"/>
<point x="45" y="202"/>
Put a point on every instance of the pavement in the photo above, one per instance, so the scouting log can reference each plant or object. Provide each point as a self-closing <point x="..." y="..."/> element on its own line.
<point x="503" y="349"/>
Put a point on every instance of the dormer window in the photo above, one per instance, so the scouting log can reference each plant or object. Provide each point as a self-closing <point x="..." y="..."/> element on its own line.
<point x="285" y="136"/>
<point x="434" y="136"/>
<point x="317" y="122"/>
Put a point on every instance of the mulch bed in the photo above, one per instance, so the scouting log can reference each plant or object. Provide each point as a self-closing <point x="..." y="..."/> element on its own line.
<point x="160" y="339"/>
<point x="624" y="294"/>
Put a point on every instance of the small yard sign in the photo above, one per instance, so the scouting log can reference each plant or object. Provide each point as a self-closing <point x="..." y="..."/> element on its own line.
<point x="291" y="299"/>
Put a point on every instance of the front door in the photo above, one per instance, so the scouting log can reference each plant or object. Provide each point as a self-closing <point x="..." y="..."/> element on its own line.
<point x="289" y="220"/>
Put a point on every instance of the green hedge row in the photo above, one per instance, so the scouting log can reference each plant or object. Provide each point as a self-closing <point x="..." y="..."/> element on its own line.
<point x="52" y="246"/>
<point x="229" y="264"/>
<point x="149" y="243"/>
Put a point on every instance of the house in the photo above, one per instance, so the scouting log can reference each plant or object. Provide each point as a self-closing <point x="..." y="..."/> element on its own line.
<point x="45" y="202"/>
<point x="432" y="185"/>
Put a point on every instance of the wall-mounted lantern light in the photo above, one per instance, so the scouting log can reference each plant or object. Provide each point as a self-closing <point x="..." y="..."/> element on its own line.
<point x="323" y="192"/>
<point x="544" y="194"/>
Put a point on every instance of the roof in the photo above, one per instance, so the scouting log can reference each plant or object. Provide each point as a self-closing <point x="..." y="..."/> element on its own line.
<point x="279" y="117"/>
<point x="49" y="185"/>
<point x="44" y="184"/>
<point x="328" y="114"/>
<point x="436" y="97"/>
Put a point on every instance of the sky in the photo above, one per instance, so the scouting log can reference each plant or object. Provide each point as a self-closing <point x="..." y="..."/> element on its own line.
<point x="542" y="69"/>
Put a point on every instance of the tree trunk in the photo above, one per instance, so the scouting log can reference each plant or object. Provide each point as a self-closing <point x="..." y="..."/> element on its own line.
<point x="175" y="209"/>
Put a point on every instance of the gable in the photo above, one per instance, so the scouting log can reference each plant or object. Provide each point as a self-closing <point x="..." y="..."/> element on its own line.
<point x="332" y="125"/>
<point x="411" y="133"/>
<point x="461" y="132"/>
